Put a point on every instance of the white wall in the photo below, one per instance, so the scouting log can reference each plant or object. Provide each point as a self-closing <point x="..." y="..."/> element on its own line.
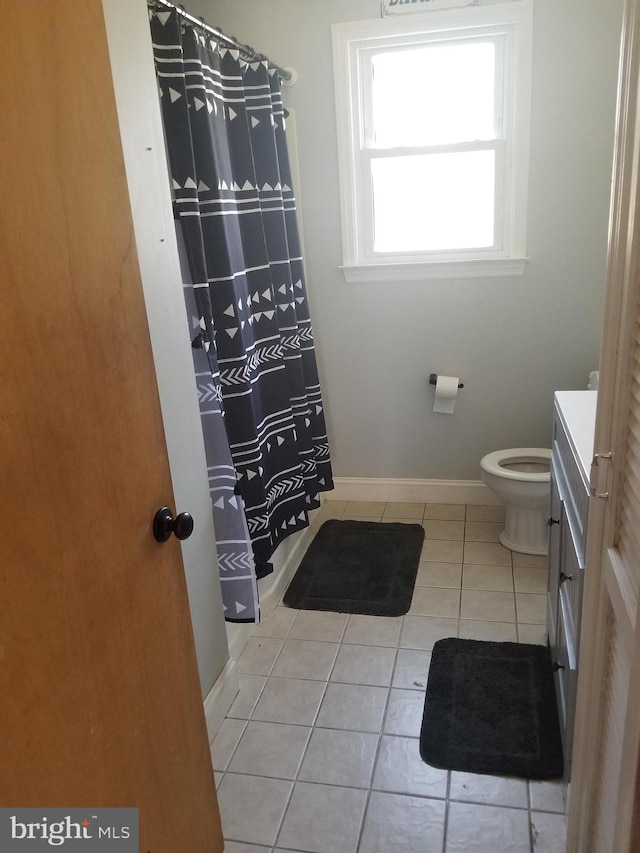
<point x="145" y="160"/>
<point x="512" y="341"/>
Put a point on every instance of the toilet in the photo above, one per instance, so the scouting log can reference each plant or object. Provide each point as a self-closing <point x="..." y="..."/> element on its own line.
<point x="521" y="477"/>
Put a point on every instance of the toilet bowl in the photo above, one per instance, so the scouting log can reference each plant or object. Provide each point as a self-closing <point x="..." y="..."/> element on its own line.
<point x="521" y="477"/>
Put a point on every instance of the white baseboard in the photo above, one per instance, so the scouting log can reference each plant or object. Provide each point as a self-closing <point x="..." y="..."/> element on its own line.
<point x="412" y="491"/>
<point x="220" y="698"/>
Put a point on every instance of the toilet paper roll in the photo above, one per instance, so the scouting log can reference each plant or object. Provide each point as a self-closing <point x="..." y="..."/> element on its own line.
<point x="446" y="393"/>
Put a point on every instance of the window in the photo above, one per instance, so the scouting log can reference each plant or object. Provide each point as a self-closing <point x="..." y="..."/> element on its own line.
<point x="433" y="114"/>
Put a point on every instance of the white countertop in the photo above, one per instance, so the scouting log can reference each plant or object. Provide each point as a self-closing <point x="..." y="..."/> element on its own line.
<point x="578" y="413"/>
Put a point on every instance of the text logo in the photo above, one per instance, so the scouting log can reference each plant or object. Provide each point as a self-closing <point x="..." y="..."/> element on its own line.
<point x="105" y="830"/>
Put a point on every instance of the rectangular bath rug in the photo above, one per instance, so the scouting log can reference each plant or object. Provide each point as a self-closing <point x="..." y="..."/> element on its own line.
<point x="358" y="567"/>
<point x="491" y="708"/>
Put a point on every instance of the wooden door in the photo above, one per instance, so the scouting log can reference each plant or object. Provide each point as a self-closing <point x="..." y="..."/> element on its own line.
<point x="100" y="703"/>
<point x="604" y="794"/>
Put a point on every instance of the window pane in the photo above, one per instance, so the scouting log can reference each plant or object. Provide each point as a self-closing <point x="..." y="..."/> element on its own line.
<point x="434" y="95"/>
<point x="433" y="202"/>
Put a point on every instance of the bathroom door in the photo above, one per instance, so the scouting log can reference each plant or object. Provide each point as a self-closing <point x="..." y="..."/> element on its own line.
<point x="604" y="812"/>
<point x="100" y="701"/>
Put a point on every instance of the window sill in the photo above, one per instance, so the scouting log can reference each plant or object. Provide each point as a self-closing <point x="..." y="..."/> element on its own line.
<point x="434" y="270"/>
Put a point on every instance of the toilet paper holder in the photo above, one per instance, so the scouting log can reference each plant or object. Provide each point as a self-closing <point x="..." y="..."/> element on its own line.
<point x="433" y="379"/>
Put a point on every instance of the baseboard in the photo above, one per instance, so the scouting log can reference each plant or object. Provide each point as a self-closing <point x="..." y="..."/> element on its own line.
<point x="220" y="697"/>
<point x="412" y="491"/>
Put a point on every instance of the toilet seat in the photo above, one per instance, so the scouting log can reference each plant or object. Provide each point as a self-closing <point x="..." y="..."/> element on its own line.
<point x="493" y="463"/>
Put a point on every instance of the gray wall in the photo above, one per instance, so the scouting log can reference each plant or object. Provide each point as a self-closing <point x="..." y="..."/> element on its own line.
<point x="512" y="341"/>
<point x="148" y="180"/>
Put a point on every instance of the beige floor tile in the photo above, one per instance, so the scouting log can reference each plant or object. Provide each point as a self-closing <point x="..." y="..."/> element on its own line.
<point x="490" y="512"/>
<point x="332" y="509"/>
<point x="225" y="742"/>
<point x="447" y="512"/>
<point x="353" y="707"/>
<point x="318" y="625"/>
<point x="391" y="520"/>
<point x="339" y="758"/>
<point x="487" y="553"/>
<point x="365" y="509"/>
<point x="495" y="632"/>
<point x="435" y="601"/>
<point x="404" y="713"/>
<point x="364" y="665"/>
<point x="322" y="818"/>
<point x="488" y="790"/>
<point x="487" y="577"/>
<point x="438" y="529"/>
<point x="373" y="520"/>
<point x="411" y="669"/>
<point x="251" y="807"/>
<point x="402" y="509"/>
<point x="530" y="580"/>
<point x="239" y="847"/>
<point x="270" y="749"/>
<point x="277" y="624"/>
<point x="483" y="531"/>
<point x="259" y="655"/>
<point x="338" y="700"/>
<point x="487" y="829"/>
<point x="485" y="604"/>
<point x="442" y="551"/>
<point x="305" y="659"/>
<point x="249" y="689"/>
<point x="431" y="573"/>
<point x="534" y="634"/>
<point x="400" y="770"/>
<point x="402" y="824"/>
<point x="422" y="632"/>
<point x="548" y="796"/>
<point x="532" y="609"/>
<point x="373" y="630"/>
<point x="549" y="832"/>
<point x="289" y="700"/>
<point x="531" y="561"/>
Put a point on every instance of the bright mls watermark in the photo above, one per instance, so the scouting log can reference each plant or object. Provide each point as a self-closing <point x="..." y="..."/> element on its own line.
<point x="111" y="830"/>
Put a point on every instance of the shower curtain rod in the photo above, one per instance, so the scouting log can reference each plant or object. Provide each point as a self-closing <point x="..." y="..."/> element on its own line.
<point x="286" y="75"/>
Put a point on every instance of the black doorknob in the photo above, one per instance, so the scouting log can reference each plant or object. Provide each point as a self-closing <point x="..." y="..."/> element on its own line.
<point x="164" y="524"/>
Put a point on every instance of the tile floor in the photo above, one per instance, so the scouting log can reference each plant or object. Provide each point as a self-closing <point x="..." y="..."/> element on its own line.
<point x="319" y="752"/>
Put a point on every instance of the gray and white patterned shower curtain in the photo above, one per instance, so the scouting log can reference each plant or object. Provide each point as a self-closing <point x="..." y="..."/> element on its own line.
<point x="247" y="302"/>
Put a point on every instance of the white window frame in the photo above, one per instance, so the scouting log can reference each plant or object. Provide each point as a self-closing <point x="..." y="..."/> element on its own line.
<point x="353" y="43"/>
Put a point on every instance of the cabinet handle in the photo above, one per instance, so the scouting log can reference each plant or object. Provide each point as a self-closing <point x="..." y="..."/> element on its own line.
<point x="551" y="521"/>
<point x="564" y="577"/>
<point x="557" y="666"/>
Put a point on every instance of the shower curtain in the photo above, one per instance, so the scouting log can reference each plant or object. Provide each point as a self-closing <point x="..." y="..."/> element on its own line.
<point x="247" y="303"/>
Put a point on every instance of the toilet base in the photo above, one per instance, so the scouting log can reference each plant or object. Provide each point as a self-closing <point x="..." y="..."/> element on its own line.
<point x="526" y="531"/>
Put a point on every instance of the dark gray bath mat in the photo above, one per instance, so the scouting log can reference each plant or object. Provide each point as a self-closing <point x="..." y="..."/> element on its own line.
<point x="358" y="567"/>
<point x="491" y="708"/>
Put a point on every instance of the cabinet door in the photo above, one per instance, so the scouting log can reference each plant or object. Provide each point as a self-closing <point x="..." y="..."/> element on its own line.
<point x="564" y="662"/>
<point x="555" y="556"/>
<point x="570" y="584"/>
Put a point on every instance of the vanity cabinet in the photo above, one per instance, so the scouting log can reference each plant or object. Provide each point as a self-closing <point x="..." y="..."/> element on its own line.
<point x="572" y="444"/>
